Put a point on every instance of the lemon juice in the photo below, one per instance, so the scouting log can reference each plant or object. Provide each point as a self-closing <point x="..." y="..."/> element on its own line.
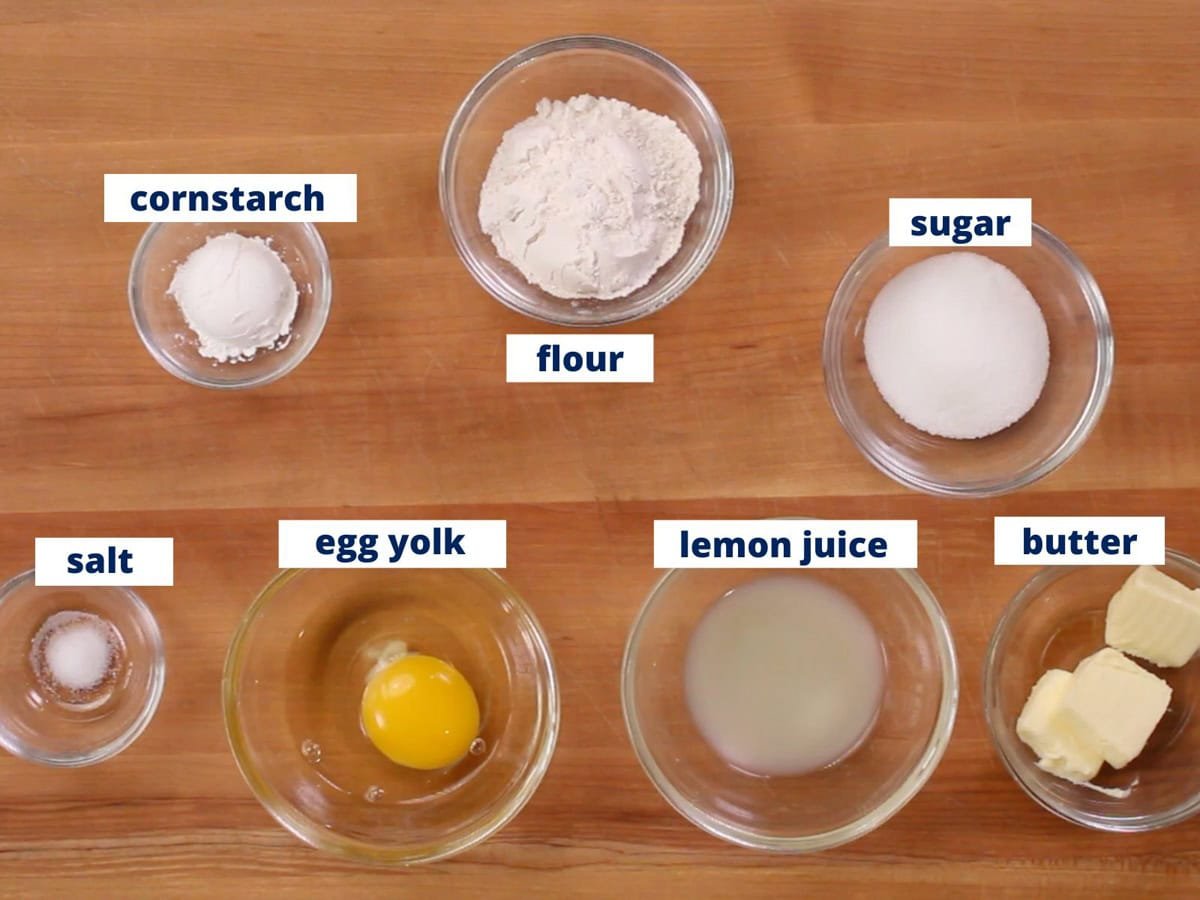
<point x="784" y="675"/>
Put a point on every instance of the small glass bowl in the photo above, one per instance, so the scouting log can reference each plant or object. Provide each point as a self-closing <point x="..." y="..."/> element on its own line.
<point x="292" y="691"/>
<point x="560" y="69"/>
<point x="821" y="809"/>
<point x="67" y="731"/>
<point x="1053" y="622"/>
<point x="1081" y="365"/>
<point x="161" y="325"/>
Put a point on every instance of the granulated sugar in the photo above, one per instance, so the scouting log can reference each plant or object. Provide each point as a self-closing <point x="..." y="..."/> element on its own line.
<point x="588" y="198"/>
<point x="957" y="346"/>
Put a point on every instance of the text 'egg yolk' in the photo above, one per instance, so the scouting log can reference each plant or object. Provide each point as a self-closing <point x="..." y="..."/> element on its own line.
<point x="420" y="712"/>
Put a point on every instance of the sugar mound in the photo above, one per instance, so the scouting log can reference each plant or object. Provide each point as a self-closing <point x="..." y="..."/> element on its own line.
<point x="957" y="346"/>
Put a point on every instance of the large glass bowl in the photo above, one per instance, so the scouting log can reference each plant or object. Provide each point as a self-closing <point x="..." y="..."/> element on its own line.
<point x="294" y="679"/>
<point x="1081" y="365"/>
<point x="821" y="809"/>
<point x="1053" y="622"/>
<point x="560" y="69"/>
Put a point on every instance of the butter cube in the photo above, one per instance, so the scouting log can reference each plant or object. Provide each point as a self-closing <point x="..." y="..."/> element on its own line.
<point x="1155" y="618"/>
<point x="1042" y="726"/>
<point x="1112" y="704"/>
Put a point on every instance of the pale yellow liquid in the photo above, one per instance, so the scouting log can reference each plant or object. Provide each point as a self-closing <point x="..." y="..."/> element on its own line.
<point x="784" y="675"/>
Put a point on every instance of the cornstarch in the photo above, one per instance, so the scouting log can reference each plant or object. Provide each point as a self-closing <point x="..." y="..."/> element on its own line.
<point x="236" y="295"/>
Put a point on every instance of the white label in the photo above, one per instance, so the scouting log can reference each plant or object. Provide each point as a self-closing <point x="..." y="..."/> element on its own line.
<point x="230" y="198"/>
<point x="393" y="544"/>
<point x="780" y="543"/>
<point x="580" y="357"/>
<point x="960" y="221"/>
<point x="104" y="561"/>
<point x="1094" y="540"/>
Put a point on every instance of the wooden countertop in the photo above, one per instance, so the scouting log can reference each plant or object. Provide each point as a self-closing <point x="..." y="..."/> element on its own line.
<point x="1087" y="106"/>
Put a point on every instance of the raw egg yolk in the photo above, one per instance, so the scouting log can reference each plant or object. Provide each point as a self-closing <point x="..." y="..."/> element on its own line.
<point x="420" y="712"/>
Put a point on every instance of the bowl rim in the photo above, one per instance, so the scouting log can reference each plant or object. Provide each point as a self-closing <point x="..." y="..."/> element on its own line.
<point x="922" y="771"/>
<point x="322" y="301"/>
<point x="996" y="724"/>
<point x="838" y="395"/>
<point x="362" y="851"/>
<point x="722" y="163"/>
<point x="158" y="674"/>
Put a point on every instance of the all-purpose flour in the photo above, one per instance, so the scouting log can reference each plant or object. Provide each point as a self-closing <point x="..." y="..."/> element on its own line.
<point x="589" y="197"/>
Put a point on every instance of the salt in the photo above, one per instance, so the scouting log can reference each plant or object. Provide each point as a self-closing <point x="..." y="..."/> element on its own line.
<point x="74" y="651"/>
<point x="957" y="346"/>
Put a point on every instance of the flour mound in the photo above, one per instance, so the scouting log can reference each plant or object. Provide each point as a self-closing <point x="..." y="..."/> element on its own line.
<point x="588" y="198"/>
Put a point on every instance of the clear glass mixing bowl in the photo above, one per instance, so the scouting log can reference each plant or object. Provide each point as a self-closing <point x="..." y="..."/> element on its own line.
<point x="560" y="69"/>
<point x="821" y="809"/>
<point x="165" y="332"/>
<point x="292" y="690"/>
<point x="38" y="726"/>
<point x="1053" y="622"/>
<point x="1081" y="366"/>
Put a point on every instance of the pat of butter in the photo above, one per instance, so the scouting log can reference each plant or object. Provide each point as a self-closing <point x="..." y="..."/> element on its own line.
<point x="1154" y="617"/>
<point x="1112" y="704"/>
<point x="1043" y="727"/>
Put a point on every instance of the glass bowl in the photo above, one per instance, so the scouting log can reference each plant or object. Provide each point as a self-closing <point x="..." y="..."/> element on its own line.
<point x="39" y="720"/>
<point x="1055" y="621"/>
<point x="560" y="69"/>
<point x="1081" y="364"/>
<point x="292" y="689"/>
<point x="820" y="809"/>
<point x="161" y="324"/>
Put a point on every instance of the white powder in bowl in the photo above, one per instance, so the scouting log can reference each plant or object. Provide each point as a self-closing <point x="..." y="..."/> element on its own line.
<point x="73" y="652"/>
<point x="588" y="198"/>
<point x="957" y="346"/>
<point x="237" y="295"/>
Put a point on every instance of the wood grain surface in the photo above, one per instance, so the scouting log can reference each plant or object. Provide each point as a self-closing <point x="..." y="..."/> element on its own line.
<point x="1088" y="106"/>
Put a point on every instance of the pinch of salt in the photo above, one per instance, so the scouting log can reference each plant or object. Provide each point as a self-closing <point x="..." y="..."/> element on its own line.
<point x="79" y="655"/>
